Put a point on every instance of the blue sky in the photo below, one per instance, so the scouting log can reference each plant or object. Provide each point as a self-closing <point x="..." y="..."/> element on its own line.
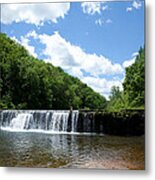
<point x="93" y="41"/>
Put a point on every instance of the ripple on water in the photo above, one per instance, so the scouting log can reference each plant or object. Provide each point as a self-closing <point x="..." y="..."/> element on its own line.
<point x="74" y="151"/>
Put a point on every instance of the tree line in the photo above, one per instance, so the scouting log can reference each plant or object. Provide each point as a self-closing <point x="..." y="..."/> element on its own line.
<point x="29" y="83"/>
<point x="133" y="94"/>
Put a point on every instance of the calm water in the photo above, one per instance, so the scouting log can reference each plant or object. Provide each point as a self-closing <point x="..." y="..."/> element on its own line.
<point x="70" y="151"/>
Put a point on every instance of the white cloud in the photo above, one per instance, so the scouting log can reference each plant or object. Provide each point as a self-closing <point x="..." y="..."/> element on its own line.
<point x="92" y="8"/>
<point x="104" y="8"/>
<point x="66" y="55"/>
<point x="102" y="85"/>
<point x="135" y="54"/>
<point x="129" y="9"/>
<point x="128" y="63"/>
<point x="89" y="68"/>
<point x="74" y="60"/>
<point x="137" y="4"/>
<point x="76" y="72"/>
<point x="33" y="13"/>
<point x="15" y="39"/>
<point x="31" y="49"/>
<point x="32" y="34"/>
<point x="25" y="42"/>
<point x="100" y="21"/>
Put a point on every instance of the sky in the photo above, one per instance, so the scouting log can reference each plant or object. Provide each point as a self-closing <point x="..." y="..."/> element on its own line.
<point x="93" y="41"/>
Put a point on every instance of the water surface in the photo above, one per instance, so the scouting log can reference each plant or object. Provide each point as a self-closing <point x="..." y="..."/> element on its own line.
<point x="31" y="149"/>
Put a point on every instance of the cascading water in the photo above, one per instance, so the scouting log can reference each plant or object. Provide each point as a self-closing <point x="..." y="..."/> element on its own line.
<point x="22" y="121"/>
<point x="60" y="121"/>
<point x="50" y="120"/>
<point x="74" y="120"/>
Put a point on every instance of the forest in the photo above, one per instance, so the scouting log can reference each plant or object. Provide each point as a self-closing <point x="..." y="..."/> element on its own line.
<point x="29" y="83"/>
<point x="133" y="94"/>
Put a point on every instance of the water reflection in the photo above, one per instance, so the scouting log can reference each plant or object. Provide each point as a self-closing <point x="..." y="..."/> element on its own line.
<point x="74" y="151"/>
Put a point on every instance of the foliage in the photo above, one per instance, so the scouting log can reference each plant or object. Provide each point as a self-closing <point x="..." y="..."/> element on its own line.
<point x="134" y="83"/>
<point x="134" y="87"/>
<point x="29" y="83"/>
<point x="118" y="100"/>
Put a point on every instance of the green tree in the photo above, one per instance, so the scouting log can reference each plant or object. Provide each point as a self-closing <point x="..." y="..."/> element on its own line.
<point x="116" y="99"/>
<point x="30" y="83"/>
<point x="134" y="83"/>
<point x="132" y="95"/>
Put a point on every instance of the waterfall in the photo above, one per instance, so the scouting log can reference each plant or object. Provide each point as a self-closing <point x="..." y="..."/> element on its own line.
<point x="74" y="120"/>
<point x="22" y="121"/>
<point x="60" y="121"/>
<point x="45" y="120"/>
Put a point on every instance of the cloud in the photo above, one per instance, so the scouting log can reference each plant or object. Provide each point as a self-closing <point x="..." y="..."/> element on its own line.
<point x="100" y="21"/>
<point x="135" y="54"/>
<point x="128" y="63"/>
<point x="31" y="49"/>
<point x="92" y="8"/>
<point x="25" y="42"/>
<point x="66" y="55"/>
<point x="129" y="9"/>
<point x="89" y="68"/>
<point x="76" y="72"/>
<point x="137" y="4"/>
<point x="101" y="85"/>
<point x="32" y="34"/>
<point x="75" y="61"/>
<point x="35" y="14"/>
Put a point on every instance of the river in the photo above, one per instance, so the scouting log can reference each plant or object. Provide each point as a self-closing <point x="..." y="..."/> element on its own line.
<point x="34" y="149"/>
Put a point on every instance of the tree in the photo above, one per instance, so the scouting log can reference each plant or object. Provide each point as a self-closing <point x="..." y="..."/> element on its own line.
<point x="134" y="83"/>
<point x="115" y="93"/>
<point x="132" y="96"/>
<point x="116" y="99"/>
<point x="30" y="83"/>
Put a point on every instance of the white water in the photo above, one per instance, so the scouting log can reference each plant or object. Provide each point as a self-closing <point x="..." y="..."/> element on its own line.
<point x="49" y="121"/>
<point x="74" y="121"/>
<point x="22" y="121"/>
<point x="60" y="121"/>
